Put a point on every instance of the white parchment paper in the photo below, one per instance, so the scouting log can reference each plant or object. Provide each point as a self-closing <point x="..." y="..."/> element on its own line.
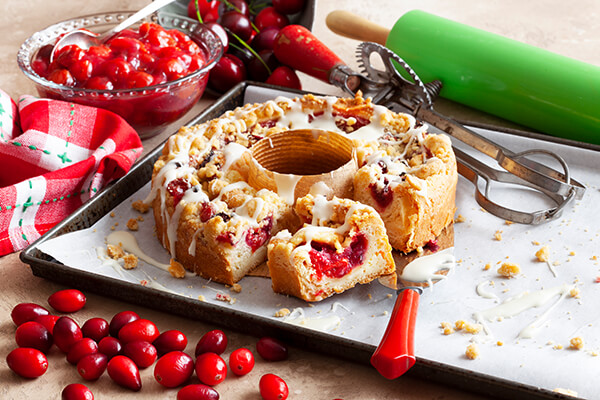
<point x="361" y="314"/>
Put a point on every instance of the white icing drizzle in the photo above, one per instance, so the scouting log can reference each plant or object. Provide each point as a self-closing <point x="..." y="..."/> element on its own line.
<point x="425" y="268"/>
<point x="484" y="293"/>
<point x="522" y="302"/>
<point x="232" y="151"/>
<point x="320" y="188"/>
<point x="286" y="186"/>
<point x="192" y="195"/>
<point x="317" y="323"/>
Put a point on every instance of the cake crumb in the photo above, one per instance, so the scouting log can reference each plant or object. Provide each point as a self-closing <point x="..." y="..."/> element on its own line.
<point x="472" y="351"/>
<point x="575" y="293"/>
<point x="201" y="297"/>
<point x="225" y="298"/>
<point x="282" y="312"/>
<point x="557" y="347"/>
<point x="112" y="214"/>
<point x="459" y="324"/>
<point x="132" y="224"/>
<point x="499" y="343"/>
<point x="567" y="392"/>
<point x="114" y="252"/>
<point x="131" y="261"/>
<point x="446" y="328"/>
<point x="498" y="235"/>
<point x="535" y="243"/>
<point x="576" y="343"/>
<point x="507" y="222"/>
<point x="487" y="267"/>
<point x="176" y="269"/>
<point x="236" y="288"/>
<point x="459" y="218"/>
<point x="140" y="218"/>
<point x="140" y="206"/>
<point x="369" y="296"/>
<point x="509" y="270"/>
<point x="571" y="253"/>
<point x="543" y="254"/>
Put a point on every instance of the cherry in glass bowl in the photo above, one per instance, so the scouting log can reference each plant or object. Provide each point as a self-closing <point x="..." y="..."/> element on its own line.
<point x="148" y="109"/>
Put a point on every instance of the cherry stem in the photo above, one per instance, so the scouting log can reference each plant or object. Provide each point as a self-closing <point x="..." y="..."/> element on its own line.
<point x="250" y="49"/>
<point x="198" y="12"/>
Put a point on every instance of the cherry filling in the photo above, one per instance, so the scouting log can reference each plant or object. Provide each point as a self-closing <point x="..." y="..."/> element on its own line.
<point x="343" y="124"/>
<point x="226" y="237"/>
<point x="326" y="261"/>
<point x="207" y="211"/>
<point x="268" y="124"/>
<point x="433" y="245"/>
<point x="311" y="117"/>
<point x="256" y="237"/>
<point x="177" y="188"/>
<point x="383" y="196"/>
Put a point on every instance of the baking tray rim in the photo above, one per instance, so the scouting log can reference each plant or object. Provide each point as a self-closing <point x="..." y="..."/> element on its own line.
<point x="313" y="340"/>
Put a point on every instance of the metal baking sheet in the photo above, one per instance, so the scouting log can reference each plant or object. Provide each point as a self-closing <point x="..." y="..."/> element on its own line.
<point x="335" y="344"/>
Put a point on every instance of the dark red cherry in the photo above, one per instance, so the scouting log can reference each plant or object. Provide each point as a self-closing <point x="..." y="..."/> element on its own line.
<point x="265" y="39"/>
<point x="237" y="23"/>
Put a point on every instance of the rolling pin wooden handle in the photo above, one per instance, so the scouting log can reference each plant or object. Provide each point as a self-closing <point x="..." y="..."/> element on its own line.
<point x="396" y="353"/>
<point x="352" y="26"/>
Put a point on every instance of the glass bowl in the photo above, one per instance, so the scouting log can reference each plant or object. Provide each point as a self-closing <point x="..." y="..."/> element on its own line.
<point x="148" y="109"/>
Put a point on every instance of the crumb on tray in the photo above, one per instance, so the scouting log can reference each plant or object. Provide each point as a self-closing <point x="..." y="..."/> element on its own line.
<point x="132" y="224"/>
<point x="282" y="312"/>
<point x="543" y="254"/>
<point x="140" y="206"/>
<point x="472" y="351"/>
<point x="176" y="269"/>
<point x="509" y="270"/>
<point x="576" y="343"/>
<point x="131" y="261"/>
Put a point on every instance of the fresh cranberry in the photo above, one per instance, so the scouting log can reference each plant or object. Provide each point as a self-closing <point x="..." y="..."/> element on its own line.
<point x="170" y="340"/>
<point x="286" y="77"/>
<point x="24" y="312"/>
<point x="121" y="319"/>
<point x="174" y="369"/>
<point x="67" y="301"/>
<point x="140" y="329"/>
<point x="197" y="392"/>
<point x="123" y="371"/>
<point x="270" y="17"/>
<point x="237" y="23"/>
<point x="110" y="346"/>
<point x="81" y="349"/>
<point x="241" y="361"/>
<point x="27" y="362"/>
<point x="177" y="188"/>
<point x="383" y="196"/>
<point x="35" y="335"/>
<point x="211" y="369"/>
<point x="271" y="349"/>
<point x="265" y="39"/>
<point x="48" y="321"/>
<point x="256" y="237"/>
<point x="95" y="328"/>
<point x="92" y="366"/>
<point x="77" y="391"/>
<point x="66" y="333"/>
<point x="141" y="352"/>
<point x="288" y="7"/>
<point x="327" y="261"/>
<point x="273" y="387"/>
<point x="214" y="341"/>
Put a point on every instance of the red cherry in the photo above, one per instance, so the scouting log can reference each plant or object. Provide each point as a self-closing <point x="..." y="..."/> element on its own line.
<point x="237" y="23"/>
<point x="92" y="366"/>
<point x="121" y="319"/>
<point x="123" y="371"/>
<point x="139" y="79"/>
<point x="35" y="335"/>
<point x="81" y="349"/>
<point x="226" y="74"/>
<point x="211" y="369"/>
<point x="220" y="32"/>
<point x="27" y="362"/>
<point x="48" y="321"/>
<point x="81" y="70"/>
<point x="77" y="391"/>
<point x="197" y="392"/>
<point x="99" y="83"/>
<point x="241" y="361"/>
<point x="67" y="301"/>
<point x="66" y="333"/>
<point x="265" y="39"/>
<point x="140" y="329"/>
<point x="24" y="312"/>
<point x="270" y="17"/>
<point x="284" y="76"/>
<point x="141" y="352"/>
<point x="213" y="341"/>
<point x="62" y="77"/>
<point x="110" y="346"/>
<point x="208" y="9"/>
<point x="173" y="369"/>
<point x="240" y="6"/>
<point x="271" y="349"/>
<point x="256" y="68"/>
<point x="171" y="340"/>
<point x="288" y="7"/>
<point x="95" y="328"/>
<point x="273" y="387"/>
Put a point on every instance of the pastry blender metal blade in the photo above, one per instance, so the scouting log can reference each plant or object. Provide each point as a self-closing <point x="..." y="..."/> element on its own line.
<point x="390" y="88"/>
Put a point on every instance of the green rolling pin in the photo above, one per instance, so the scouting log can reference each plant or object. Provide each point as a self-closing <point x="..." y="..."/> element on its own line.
<point x="525" y="84"/>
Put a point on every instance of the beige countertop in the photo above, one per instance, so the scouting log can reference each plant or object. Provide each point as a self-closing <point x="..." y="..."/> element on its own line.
<point x="555" y="25"/>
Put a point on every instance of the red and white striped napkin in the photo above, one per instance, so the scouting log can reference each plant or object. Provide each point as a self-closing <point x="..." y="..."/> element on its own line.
<point x="54" y="156"/>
